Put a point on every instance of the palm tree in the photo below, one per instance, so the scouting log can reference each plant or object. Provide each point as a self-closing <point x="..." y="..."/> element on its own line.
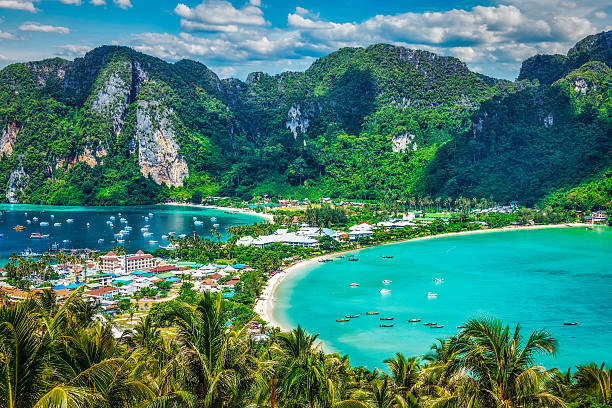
<point x="595" y="381"/>
<point x="503" y="365"/>
<point x="405" y="373"/>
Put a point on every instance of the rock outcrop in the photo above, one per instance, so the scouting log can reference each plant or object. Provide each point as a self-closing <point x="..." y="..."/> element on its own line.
<point x="402" y="143"/>
<point x="296" y="120"/>
<point x="158" y="155"/>
<point x="18" y="180"/>
<point x="8" y="138"/>
<point x="112" y="99"/>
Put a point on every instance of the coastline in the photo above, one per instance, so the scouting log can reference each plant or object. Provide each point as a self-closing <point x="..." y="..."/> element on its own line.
<point x="268" y="217"/>
<point x="264" y="306"/>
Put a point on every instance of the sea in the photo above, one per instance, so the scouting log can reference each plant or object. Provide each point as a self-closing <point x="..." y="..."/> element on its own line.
<point x="84" y="227"/>
<point x="538" y="279"/>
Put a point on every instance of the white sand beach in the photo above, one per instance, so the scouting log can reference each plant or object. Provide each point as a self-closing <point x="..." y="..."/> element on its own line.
<point x="268" y="217"/>
<point x="264" y="306"/>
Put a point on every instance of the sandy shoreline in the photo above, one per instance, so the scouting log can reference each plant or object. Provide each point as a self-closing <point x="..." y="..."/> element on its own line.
<point x="264" y="306"/>
<point x="268" y="217"/>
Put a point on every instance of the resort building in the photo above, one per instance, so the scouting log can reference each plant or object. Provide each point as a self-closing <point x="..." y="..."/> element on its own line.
<point x="279" y="237"/>
<point x="125" y="264"/>
<point x="597" y="218"/>
<point x="105" y="293"/>
<point x="361" y="231"/>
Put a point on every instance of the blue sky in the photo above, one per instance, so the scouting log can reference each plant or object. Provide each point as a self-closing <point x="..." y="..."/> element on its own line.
<point x="237" y="37"/>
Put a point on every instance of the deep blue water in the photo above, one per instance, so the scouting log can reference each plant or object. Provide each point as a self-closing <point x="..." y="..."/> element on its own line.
<point x="540" y="278"/>
<point x="178" y="219"/>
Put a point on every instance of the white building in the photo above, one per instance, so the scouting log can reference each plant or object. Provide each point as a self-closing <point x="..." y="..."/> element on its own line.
<point x="360" y="231"/>
<point x="125" y="264"/>
<point x="279" y="237"/>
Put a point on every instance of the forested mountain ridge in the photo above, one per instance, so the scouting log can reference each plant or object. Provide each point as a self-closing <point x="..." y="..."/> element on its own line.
<point x="122" y="127"/>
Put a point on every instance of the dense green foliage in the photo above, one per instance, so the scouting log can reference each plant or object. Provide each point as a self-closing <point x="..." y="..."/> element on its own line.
<point x="61" y="355"/>
<point x="377" y="123"/>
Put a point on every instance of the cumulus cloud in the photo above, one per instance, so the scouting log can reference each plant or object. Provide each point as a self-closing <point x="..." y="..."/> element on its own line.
<point x="6" y="36"/>
<point x="493" y="38"/>
<point x="98" y="2"/>
<point x="220" y="16"/>
<point x="124" y="4"/>
<point x="44" y="28"/>
<point x="75" y="2"/>
<point x="18" y="5"/>
<point x="72" y="50"/>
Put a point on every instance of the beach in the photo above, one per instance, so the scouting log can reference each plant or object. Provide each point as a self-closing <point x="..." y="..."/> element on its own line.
<point x="268" y="217"/>
<point x="264" y="306"/>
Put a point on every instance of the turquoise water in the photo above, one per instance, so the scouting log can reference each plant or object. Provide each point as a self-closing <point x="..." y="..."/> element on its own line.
<point x="178" y="219"/>
<point x="540" y="278"/>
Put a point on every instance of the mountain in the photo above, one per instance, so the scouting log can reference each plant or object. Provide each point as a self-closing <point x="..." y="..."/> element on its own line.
<point x="122" y="127"/>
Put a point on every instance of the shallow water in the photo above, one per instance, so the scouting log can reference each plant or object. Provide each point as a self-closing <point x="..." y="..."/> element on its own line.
<point x="540" y="278"/>
<point x="178" y="219"/>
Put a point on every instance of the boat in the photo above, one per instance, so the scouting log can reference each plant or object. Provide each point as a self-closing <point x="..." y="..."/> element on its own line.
<point x="197" y="222"/>
<point x="29" y="221"/>
<point x="195" y="218"/>
<point x="384" y="291"/>
<point x="128" y="228"/>
<point x="69" y="221"/>
<point x="386" y="318"/>
<point x="354" y="284"/>
<point x="18" y="227"/>
<point x="414" y="320"/>
<point x="54" y="247"/>
<point x="353" y="259"/>
<point x="371" y="313"/>
<point x="87" y="225"/>
<point x="123" y="220"/>
<point x="437" y="326"/>
<point x="101" y="240"/>
<point x="386" y="281"/>
<point x="213" y="219"/>
<point x="325" y="260"/>
<point x="385" y="325"/>
<point x="110" y="224"/>
<point x="144" y="229"/>
<point x="152" y="242"/>
<point x="570" y="323"/>
<point x="147" y="234"/>
<point x="29" y="253"/>
<point x="35" y="219"/>
<point x="438" y="280"/>
<point x="342" y="320"/>
<point x="164" y="237"/>
<point x="461" y="327"/>
<point x="387" y="256"/>
<point x="44" y="224"/>
<point x="216" y="225"/>
<point x="52" y="216"/>
<point x="432" y="295"/>
<point x="352" y="316"/>
<point x="57" y="224"/>
<point x="146" y="218"/>
<point x="431" y="324"/>
<point x="182" y="236"/>
<point x="150" y="214"/>
<point x="35" y="235"/>
<point x="120" y="241"/>
<point x="112" y="218"/>
<point x="66" y="241"/>
<point x="341" y="256"/>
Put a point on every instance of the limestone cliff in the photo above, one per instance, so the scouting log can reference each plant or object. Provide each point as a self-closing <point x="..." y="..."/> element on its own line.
<point x="8" y="138"/>
<point x="158" y="155"/>
<point x="18" y="180"/>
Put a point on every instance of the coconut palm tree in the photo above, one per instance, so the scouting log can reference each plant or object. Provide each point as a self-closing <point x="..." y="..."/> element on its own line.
<point x="595" y="381"/>
<point x="502" y="363"/>
<point x="405" y="374"/>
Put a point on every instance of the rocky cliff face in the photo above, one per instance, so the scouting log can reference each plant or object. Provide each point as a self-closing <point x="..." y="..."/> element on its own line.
<point x="8" y="139"/>
<point x="158" y="155"/>
<point x="403" y="143"/>
<point x="18" y="180"/>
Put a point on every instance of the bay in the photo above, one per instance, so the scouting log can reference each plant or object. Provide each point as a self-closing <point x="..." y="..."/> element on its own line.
<point x="538" y="278"/>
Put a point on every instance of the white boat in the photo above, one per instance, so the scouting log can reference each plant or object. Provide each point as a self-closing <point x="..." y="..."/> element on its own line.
<point x="386" y="281"/>
<point x="147" y="226"/>
<point x="123" y="220"/>
<point x="169" y="247"/>
<point x="57" y="224"/>
<point x="44" y="224"/>
<point x="182" y="235"/>
<point x="195" y="218"/>
<point x="147" y="234"/>
<point x="152" y="242"/>
<point x="120" y="241"/>
<point x="69" y="220"/>
<point x="384" y="291"/>
<point x="438" y="280"/>
<point x="150" y="214"/>
<point x="164" y="237"/>
<point x="432" y="295"/>
<point x="29" y="221"/>
<point x="144" y="229"/>
<point x="354" y="284"/>
<point x="112" y="218"/>
<point x="87" y="224"/>
<point x="66" y="241"/>
<point x="128" y="228"/>
<point x="216" y="225"/>
<point x="198" y="223"/>
<point x="110" y="224"/>
<point x="52" y="216"/>
<point x="35" y="219"/>
<point x="213" y="219"/>
<point x="146" y="218"/>
<point x="101" y="240"/>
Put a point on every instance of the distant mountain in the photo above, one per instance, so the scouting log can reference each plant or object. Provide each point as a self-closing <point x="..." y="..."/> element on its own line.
<point x="122" y="127"/>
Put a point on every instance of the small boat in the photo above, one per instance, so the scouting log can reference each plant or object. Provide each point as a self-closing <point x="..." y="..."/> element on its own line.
<point x="341" y="256"/>
<point x="52" y="216"/>
<point x="325" y="260"/>
<point x="431" y="324"/>
<point x="216" y="225"/>
<point x="386" y="318"/>
<point x="432" y="295"/>
<point x="120" y="241"/>
<point x="213" y="219"/>
<point x="342" y="320"/>
<point x="385" y="291"/>
<point x="44" y="224"/>
<point x="164" y="237"/>
<point x="35" y="219"/>
<point x="386" y="281"/>
<point x="353" y="259"/>
<point x="414" y="320"/>
<point x="371" y="313"/>
<point x="152" y="242"/>
<point x="18" y="227"/>
<point x="197" y="222"/>
<point x="29" y="221"/>
<point x="69" y="221"/>
<point x="438" y="280"/>
<point x="387" y="257"/>
<point x="123" y="220"/>
<point x="461" y="327"/>
<point x="147" y="234"/>
<point x="87" y="225"/>
<point x="128" y="228"/>
<point x="144" y="229"/>
<point x="146" y="218"/>
<point x="354" y="284"/>
<point x="195" y="218"/>
<point x="570" y="324"/>
<point x="385" y="325"/>
<point x="101" y="240"/>
<point x="110" y="224"/>
<point x="29" y="253"/>
<point x="112" y="218"/>
<point x="351" y="316"/>
<point x="182" y="236"/>
<point x="66" y="241"/>
<point x="35" y="235"/>
<point x="150" y="214"/>
<point x="57" y="224"/>
<point x="437" y="326"/>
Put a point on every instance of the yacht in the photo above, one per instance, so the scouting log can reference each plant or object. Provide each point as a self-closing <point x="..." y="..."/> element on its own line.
<point x="69" y="221"/>
<point x="354" y="284"/>
<point x="432" y="295"/>
<point x="384" y="291"/>
<point x="35" y="235"/>
<point x="44" y="224"/>
<point x="386" y="281"/>
<point x="57" y="224"/>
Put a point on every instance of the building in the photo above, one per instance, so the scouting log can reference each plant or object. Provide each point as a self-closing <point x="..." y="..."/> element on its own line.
<point x="360" y="231"/>
<point x="597" y="218"/>
<point x="281" y="237"/>
<point x="125" y="264"/>
<point x="105" y="293"/>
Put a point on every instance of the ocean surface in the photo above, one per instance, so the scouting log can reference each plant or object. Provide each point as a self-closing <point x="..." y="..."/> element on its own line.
<point x="178" y="219"/>
<point x="540" y="278"/>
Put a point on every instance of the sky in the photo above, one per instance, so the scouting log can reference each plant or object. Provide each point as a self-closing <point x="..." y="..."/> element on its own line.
<point x="236" y="37"/>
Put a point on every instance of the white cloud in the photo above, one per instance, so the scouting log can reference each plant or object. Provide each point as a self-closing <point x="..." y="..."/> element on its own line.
<point x="18" y="5"/>
<point x="600" y="14"/>
<point x="6" y="36"/>
<point x="98" y="2"/>
<point x="72" y="50"/>
<point x="75" y="2"/>
<point x="43" y="28"/>
<point x="213" y="15"/>
<point x="124" y="4"/>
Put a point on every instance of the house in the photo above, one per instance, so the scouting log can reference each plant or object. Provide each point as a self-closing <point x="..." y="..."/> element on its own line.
<point x="279" y="237"/>
<point x="360" y="231"/>
<point x="125" y="264"/>
<point x="598" y="218"/>
<point x="98" y="295"/>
